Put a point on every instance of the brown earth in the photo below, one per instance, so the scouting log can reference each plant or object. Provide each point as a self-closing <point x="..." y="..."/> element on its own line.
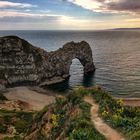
<point x="27" y="98"/>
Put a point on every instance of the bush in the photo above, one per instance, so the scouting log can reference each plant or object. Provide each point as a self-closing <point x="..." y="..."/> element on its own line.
<point x="21" y="126"/>
<point x="136" y="136"/>
<point x="3" y="128"/>
<point x="41" y="113"/>
<point x="74" y="98"/>
<point x="13" y="138"/>
<point x="85" y="106"/>
<point x="85" y="134"/>
<point x="61" y="101"/>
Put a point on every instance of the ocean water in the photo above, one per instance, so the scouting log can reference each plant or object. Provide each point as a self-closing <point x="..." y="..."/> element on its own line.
<point x="116" y="55"/>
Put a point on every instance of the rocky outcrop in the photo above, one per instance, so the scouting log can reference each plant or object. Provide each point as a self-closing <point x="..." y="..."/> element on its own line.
<point x="20" y="62"/>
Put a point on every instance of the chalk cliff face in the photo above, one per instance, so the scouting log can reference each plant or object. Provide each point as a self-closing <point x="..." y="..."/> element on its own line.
<point x="20" y="62"/>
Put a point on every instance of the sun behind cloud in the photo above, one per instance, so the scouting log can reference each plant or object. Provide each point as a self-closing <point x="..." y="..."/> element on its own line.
<point x="69" y="14"/>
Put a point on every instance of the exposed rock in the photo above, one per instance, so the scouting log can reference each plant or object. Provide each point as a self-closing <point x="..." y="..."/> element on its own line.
<point x="21" y="62"/>
<point x="2" y="84"/>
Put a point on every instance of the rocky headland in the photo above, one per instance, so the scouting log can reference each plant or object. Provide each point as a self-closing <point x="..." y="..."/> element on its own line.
<point x="21" y="62"/>
<point x="34" y="113"/>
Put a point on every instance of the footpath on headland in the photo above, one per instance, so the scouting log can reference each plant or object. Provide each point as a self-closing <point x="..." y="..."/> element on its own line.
<point x="100" y="125"/>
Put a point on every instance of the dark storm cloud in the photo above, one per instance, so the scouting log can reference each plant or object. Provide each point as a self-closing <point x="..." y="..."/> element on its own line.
<point x="124" y="5"/>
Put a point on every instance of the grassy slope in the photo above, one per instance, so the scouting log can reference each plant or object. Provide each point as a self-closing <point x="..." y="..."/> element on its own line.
<point x="70" y="118"/>
<point x="16" y="122"/>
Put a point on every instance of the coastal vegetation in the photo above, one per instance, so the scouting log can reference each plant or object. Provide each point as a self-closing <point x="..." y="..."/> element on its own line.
<point x="14" y="123"/>
<point x="69" y="118"/>
<point x="125" y="119"/>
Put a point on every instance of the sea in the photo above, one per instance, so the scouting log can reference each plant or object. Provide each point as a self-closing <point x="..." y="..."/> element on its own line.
<point x="116" y="55"/>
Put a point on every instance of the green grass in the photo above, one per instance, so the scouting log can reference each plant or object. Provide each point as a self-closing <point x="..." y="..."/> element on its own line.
<point x="13" y="138"/>
<point x="123" y="118"/>
<point x="20" y="120"/>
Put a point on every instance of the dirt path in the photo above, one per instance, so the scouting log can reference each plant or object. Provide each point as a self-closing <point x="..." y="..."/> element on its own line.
<point x="100" y="125"/>
<point x="34" y="99"/>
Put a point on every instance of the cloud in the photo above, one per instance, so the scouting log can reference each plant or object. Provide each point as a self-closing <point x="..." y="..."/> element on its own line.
<point x="28" y="18"/>
<point x="41" y="20"/>
<point x="89" y="4"/>
<point x="7" y="4"/>
<point x="24" y="14"/>
<point x="109" y="6"/>
<point x="20" y="17"/>
<point x="23" y="20"/>
<point x="125" y="5"/>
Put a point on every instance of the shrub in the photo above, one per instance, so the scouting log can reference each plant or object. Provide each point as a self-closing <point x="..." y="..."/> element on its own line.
<point x="13" y="138"/>
<point x="39" y="114"/>
<point x="74" y="98"/>
<point x="61" y="101"/>
<point x="135" y="136"/>
<point x="85" y="134"/>
<point x="3" y="128"/>
<point x="21" y="126"/>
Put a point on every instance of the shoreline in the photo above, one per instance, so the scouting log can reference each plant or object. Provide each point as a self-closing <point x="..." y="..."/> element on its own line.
<point x="134" y="102"/>
<point x="35" y="98"/>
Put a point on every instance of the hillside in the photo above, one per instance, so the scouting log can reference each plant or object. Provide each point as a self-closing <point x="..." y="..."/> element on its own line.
<point x="69" y="118"/>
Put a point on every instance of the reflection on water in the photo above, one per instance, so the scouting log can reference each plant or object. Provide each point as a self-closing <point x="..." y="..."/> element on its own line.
<point x="65" y="86"/>
<point x="88" y="80"/>
<point x="60" y="87"/>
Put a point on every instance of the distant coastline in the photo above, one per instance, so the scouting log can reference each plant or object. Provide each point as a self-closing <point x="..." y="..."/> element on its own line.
<point x="73" y="30"/>
<point x="118" y="29"/>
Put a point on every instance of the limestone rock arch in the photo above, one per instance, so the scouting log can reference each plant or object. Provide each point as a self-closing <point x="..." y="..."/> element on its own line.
<point x="22" y="62"/>
<point x="80" y="51"/>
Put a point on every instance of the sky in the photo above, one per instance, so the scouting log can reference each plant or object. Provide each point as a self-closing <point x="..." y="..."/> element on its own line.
<point x="69" y="14"/>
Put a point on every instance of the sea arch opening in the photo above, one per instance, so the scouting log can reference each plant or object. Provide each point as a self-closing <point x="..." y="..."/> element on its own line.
<point x="76" y="73"/>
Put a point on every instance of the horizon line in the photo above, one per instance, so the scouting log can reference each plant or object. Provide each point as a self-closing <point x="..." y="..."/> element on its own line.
<point x="70" y="29"/>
